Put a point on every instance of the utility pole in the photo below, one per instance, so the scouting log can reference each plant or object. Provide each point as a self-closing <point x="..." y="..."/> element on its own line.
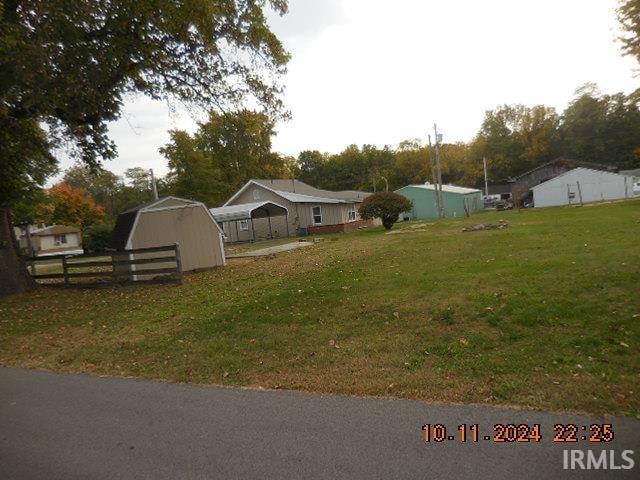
<point x="486" y="183"/>
<point x="153" y="185"/>
<point x="433" y="176"/>
<point x="438" y="138"/>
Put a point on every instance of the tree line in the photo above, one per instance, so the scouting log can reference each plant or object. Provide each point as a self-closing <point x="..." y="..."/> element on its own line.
<point x="226" y="150"/>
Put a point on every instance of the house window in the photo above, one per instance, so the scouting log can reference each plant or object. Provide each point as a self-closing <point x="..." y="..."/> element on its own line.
<point x="317" y="214"/>
<point x="244" y="225"/>
<point x="256" y="194"/>
<point x="352" y="213"/>
<point x="59" y="239"/>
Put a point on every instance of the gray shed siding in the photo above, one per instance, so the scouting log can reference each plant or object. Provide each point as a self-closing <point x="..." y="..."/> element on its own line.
<point x="191" y="227"/>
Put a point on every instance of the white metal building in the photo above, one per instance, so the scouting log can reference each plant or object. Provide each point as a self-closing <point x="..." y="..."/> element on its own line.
<point x="582" y="185"/>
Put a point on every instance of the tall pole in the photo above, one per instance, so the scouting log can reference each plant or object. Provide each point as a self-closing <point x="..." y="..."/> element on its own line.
<point x="386" y="183"/>
<point x="439" y="170"/>
<point x="486" y="183"/>
<point x="435" y="179"/>
<point x="153" y="185"/>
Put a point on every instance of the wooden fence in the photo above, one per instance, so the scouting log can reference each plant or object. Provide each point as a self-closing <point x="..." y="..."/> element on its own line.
<point x="121" y="267"/>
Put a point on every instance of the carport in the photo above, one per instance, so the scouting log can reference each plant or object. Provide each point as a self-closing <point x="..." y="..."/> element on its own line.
<point x="249" y="212"/>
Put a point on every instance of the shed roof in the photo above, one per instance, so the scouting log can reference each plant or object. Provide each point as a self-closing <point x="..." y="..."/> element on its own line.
<point x="126" y="221"/>
<point x="445" y="188"/>
<point x="632" y="173"/>
<point x="575" y="170"/>
<point x="569" y="162"/>
<point x="246" y="211"/>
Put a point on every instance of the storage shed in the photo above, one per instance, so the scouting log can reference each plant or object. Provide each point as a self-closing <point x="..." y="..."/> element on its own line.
<point x="173" y="220"/>
<point x="582" y="185"/>
<point x="458" y="201"/>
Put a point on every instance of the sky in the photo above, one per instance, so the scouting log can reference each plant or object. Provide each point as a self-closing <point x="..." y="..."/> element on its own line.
<point x="379" y="72"/>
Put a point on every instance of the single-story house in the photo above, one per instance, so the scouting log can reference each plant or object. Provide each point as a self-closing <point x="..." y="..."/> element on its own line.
<point x="168" y="221"/>
<point x="582" y="185"/>
<point x="50" y="240"/>
<point x="278" y="208"/>
<point x="458" y="201"/>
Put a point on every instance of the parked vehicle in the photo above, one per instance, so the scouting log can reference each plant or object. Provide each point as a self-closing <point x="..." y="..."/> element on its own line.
<point x="503" y="205"/>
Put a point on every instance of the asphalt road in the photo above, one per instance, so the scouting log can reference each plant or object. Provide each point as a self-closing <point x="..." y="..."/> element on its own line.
<point x="60" y="426"/>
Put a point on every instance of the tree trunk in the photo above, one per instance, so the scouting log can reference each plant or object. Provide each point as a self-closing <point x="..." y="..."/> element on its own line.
<point x="14" y="277"/>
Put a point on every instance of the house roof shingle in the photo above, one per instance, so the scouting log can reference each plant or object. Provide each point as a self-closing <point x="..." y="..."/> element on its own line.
<point x="55" y="230"/>
<point x="297" y="187"/>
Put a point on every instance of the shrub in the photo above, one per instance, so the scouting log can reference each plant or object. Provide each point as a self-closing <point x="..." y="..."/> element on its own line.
<point x="97" y="237"/>
<point x="385" y="206"/>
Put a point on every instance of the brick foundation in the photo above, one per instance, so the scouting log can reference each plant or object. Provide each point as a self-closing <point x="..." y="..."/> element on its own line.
<point x="342" y="227"/>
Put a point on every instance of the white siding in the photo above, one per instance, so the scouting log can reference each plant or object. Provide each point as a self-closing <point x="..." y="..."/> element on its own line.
<point x="582" y="184"/>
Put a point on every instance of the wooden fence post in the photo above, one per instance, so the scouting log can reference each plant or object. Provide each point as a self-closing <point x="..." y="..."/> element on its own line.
<point x="178" y="263"/>
<point x="65" y="271"/>
<point x="579" y="192"/>
<point x="114" y="272"/>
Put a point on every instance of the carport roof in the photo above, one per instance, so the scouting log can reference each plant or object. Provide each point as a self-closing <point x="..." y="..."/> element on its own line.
<point x="246" y="211"/>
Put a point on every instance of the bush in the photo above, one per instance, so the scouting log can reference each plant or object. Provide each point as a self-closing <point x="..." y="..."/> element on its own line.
<point x="97" y="238"/>
<point x="385" y="206"/>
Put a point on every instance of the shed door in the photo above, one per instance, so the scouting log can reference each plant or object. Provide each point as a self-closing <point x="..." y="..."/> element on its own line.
<point x="571" y="193"/>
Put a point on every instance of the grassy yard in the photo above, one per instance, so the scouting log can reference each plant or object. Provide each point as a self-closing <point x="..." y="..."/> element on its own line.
<point x="545" y="314"/>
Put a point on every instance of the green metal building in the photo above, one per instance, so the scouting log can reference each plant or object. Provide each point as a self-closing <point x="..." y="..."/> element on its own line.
<point x="458" y="201"/>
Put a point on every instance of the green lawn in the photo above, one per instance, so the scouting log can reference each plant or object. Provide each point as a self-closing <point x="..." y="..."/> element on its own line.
<point x="545" y="314"/>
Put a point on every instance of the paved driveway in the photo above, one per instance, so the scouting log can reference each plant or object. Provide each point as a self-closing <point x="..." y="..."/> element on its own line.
<point x="75" y="426"/>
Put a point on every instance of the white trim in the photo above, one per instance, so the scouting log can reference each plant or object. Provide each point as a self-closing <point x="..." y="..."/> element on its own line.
<point x="244" y="221"/>
<point x="224" y="255"/>
<point x="173" y="207"/>
<point x="279" y="193"/>
<point x="355" y="213"/>
<point x="253" y="182"/>
<point x="255" y="206"/>
<point x="164" y="199"/>
<point x="313" y="215"/>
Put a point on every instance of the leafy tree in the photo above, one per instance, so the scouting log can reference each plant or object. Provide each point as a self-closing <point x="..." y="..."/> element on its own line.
<point x="192" y="173"/>
<point x="69" y="65"/>
<point x="629" y="17"/>
<point x="102" y="185"/>
<point x="516" y="138"/>
<point x="97" y="238"/>
<point x="602" y="128"/>
<point x="353" y="168"/>
<point x="386" y="206"/>
<point x="411" y="164"/>
<point x="112" y="192"/>
<point x="312" y="164"/>
<point x="66" y="205"/>
<point x="459" y="164"/>
<point x="225" y="152"/>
